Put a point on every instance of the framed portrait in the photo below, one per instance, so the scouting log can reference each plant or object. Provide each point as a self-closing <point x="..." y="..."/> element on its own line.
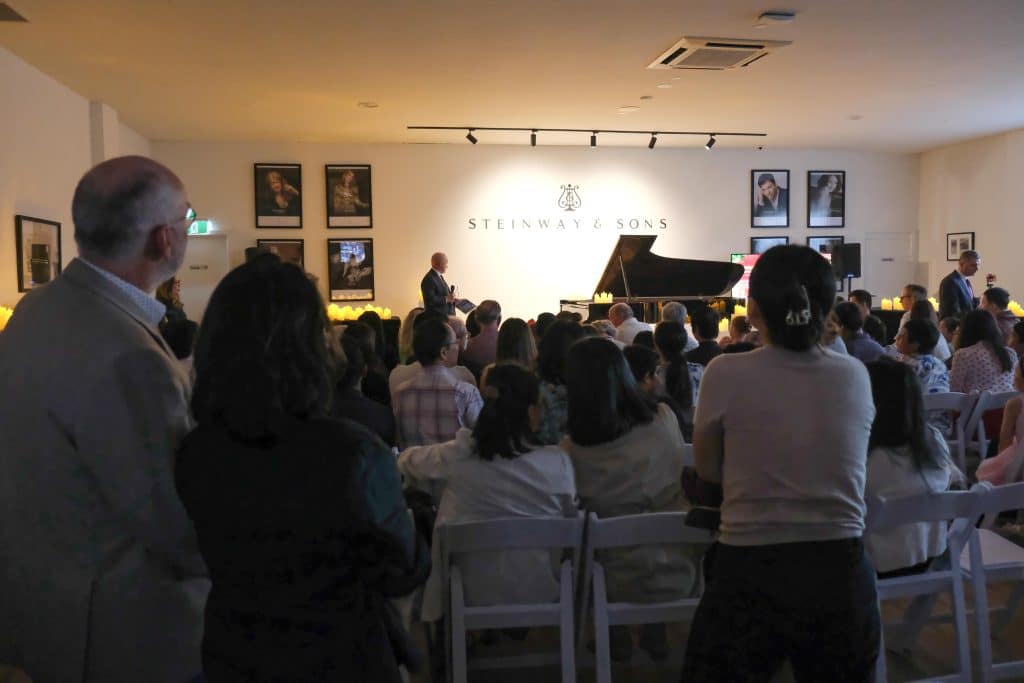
<point x="38" y="251"/>
<point x="350" y="269"/>
<point x="958" y="242"/>
<point x="289" y="251"/>
<point x="349" y="196"/>
<point x="826" y="199"/>
<point x="759" y="245"/>
<point x="769" y="199"/>
<point x="278" y="192"/>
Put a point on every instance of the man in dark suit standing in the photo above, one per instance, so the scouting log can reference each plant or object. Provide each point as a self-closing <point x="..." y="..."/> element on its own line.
<point x="437" y="295"/>
<point x="956" y="296"/>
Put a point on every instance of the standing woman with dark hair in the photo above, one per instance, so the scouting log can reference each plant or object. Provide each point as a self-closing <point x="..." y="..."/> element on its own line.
<point x="300" y="517"/>
<point x="788" y="578"/>
<point x="497" y="470"/>
<point x="627" y="453"/>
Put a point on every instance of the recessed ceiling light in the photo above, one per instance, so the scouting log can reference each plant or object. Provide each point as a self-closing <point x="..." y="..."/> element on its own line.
<point x="368" y="105"/>
<point x="664" y="86"/>
<point x="855" y="117"/>
<point x="629" y="109"/>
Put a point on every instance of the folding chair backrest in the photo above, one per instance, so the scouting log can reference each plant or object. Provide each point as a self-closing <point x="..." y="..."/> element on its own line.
<point x="1015" y="468"/>
<point x="512" y="533"/>
<point x="974" y="429"/>
<point x="653" y="528"/>
<point x="998" y="499"/>
<point x="926" y="507"/>
<point x="949" y="400"/>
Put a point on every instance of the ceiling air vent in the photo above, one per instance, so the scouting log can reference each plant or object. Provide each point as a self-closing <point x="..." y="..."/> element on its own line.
<point x="7" y="13"/>
<point x="715" y="53"/>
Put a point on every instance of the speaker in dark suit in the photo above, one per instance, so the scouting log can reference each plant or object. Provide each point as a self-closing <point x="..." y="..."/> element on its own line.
<point x="434" y="289"/>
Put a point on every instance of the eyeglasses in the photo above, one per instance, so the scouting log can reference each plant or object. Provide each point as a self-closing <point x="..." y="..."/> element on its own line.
<point x="189" y="217"/>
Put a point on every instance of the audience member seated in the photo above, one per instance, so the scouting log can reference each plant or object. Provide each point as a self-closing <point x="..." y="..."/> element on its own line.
<point x="551" y="360"/>
<point x="300" y="516"/>
<point x="995" y="300"/>
<point x="403" y="373"/>
<point x="626" y="324"/>
<point x="405" y="335"/>
<point x="349" y="401"/>
<point x="911" y="294"/>
<point x="739" y="347"/>
<point x="789" y="571"/>
<point x="705" y="329"/>
<point x="645" y="338"/>
<point x="863" y="299"/>
<point x="914" y="345"/>
<point x="949" y="327"/>
<point x="542" y="325"/>
<point x="515" y="345"/>
<point x="569" y="316"/>
<point x="982" y="362"/>
<point x="483" y="347"/>
<point x="375" y="383"/>
<point x="875" y="328"/>
<point x="858" y="344"/>
<point x="626" y="451"/>
<point x="643" y="363"/>
<point x="994" y="469"/>
<point x="605" y="328"/>
<point x="433" y="405"/>
<point x="180" y="335"/>
<point x="472" y="326"/>
<point x="385" y="355"/>
<point x="1017" y="339"/>
<point x="678" y="379"/>
<point x="739" y="327"/>
<point x="907" y="457"/>
<point x="674" y="311"/>
<point x="924" y="311"/>
<point x="497" y="470"/>
<point x="461" y="332"/>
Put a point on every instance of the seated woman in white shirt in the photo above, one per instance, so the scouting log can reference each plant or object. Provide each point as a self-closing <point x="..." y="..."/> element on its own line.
<point x="907" y="457"/>
<point x="496" y="470"/>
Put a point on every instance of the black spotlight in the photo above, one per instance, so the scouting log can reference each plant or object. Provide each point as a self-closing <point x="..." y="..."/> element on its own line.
<point x="710" y="143"/>
<point x="470" y="136"/>
<point x="653" y="142"/>
<point x="533" y="139"/>
<point x="593" y="139"/>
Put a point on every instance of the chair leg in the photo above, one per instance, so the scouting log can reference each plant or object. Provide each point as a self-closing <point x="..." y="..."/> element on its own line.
<point x="567" y="634"/>
<point x="963" y="646"/>
<point x="457" y="664"/>
<point x="881" y="672"/>
<point x="602" y="648"/>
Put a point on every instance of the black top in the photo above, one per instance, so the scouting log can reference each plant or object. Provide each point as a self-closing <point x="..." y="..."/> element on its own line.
<point x="304" y="538"/>
<point x="435" y="293"/>
<point x="353" y="405"/>
<point x="705" y="351"/>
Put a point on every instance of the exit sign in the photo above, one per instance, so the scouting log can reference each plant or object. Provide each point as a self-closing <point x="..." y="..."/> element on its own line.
<point x="203" y="227"/>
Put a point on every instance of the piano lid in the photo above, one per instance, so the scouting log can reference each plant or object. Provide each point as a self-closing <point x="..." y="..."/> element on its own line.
<point x="656" y="276"/>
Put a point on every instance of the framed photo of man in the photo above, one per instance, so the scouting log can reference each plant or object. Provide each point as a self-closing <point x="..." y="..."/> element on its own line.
<point x="278" y="192"/>
<point x="826" y="199"/>
<point x="289" y="251"/>
<point x="38" y="251"/>
<point x="957" y="243"/>
<point x="769" y="195"/>
<point x="349" y="196"/>
<point x="759" y="245"/>
<point x="350" y="269"/>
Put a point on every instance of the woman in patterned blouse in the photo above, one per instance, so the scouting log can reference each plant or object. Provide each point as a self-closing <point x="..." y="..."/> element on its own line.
<point x="982" y="362"/>
<point x="915" y="343"/>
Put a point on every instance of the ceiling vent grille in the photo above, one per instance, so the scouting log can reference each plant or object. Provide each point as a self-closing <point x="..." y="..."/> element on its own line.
<point x="7" y="13"/>
<point x="716" y="54"/>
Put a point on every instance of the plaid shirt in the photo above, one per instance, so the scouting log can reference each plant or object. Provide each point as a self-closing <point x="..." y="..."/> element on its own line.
<point x="432" y="406"/>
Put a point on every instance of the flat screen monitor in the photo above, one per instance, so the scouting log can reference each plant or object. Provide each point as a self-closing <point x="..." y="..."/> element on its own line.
<point x="742" y="288"/>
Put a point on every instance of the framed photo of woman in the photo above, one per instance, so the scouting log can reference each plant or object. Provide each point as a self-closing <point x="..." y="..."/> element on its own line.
<point x="769" y="199"/>
<point x="278" y="191"/>
<point x="826" y="199"/>
<point x="289" y="251"/>
<point x="349" y="196"/>
<point x="350" y="269"/>
<point x="38" y="249"/>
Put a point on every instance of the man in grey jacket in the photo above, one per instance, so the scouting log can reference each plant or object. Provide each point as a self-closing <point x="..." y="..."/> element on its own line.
<point x="100" y="573"/>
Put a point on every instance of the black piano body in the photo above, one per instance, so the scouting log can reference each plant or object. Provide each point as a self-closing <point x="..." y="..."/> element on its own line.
<point x="644" y="280"/>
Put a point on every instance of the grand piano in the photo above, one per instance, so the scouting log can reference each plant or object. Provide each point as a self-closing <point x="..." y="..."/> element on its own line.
<point x="635" y="276"/>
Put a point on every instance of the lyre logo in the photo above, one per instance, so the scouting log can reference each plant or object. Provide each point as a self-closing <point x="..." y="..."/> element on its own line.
<point x="570" y="199"/>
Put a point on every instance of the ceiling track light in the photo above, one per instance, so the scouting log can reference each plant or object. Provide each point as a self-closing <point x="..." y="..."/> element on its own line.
<point x="711" y="142"/>
<point x="470" y="136"/>
<point x="533" y="139"/>
<point x="653" y="142"/>
<point x="594" y="132"/>
<point x="593" y="139"/>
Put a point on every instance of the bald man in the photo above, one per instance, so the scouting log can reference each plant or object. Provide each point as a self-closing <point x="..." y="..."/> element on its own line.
<point x="437" y="294"/>
<point x="100" y="574"/>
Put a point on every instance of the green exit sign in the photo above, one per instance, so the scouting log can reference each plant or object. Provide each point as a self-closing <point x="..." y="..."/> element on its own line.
<point x="203" y="227"/>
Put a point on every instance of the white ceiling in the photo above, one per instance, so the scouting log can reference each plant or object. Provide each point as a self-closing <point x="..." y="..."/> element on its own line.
<point x="920" y="73"/>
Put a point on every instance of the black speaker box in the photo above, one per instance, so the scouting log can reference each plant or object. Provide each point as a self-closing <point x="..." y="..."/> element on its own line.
<point x="846" y="260"/>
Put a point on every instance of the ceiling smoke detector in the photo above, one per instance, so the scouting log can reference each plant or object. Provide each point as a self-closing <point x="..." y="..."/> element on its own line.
<point x="716" y="54"/>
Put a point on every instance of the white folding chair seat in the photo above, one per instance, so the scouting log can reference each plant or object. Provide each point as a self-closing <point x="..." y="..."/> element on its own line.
<point x="954" y="402"/>
<point x="942" y="576"/>
<point x="661" y="528"/>
<point x="989" y="557"/>
<point x="510" y="533"/>
<point x="974" y="431"/>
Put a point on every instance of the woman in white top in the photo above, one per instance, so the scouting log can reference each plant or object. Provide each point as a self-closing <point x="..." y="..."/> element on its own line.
<point x="496" y="470"/>
<point x="907" y="457"/>
<point x="785" y="430"/>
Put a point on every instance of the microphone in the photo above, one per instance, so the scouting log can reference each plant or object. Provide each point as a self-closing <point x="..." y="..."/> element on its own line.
<point x="453" y="289"/>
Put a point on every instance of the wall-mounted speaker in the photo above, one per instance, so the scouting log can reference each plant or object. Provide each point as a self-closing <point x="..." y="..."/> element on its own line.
<point x="846" y="260"/>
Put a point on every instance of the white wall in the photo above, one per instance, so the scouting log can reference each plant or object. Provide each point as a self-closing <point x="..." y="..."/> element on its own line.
<point x="424" y="195"/>
<point x="45" y="147"/>
<point x="975" y="187"/>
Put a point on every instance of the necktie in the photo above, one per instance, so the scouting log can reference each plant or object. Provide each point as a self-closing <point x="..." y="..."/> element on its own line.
<point x="970" y="291"/>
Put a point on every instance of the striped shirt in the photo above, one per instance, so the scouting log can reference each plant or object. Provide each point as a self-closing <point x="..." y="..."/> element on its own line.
<point x="432" y="406"/>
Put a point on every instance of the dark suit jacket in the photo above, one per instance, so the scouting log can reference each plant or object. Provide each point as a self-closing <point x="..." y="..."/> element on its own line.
<point x="954" y="298"/>
<point x="435" y="294"/>
<point x="349" y="403"/>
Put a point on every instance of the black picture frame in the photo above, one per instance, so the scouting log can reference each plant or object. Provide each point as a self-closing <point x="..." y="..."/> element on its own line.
<point x="957" y="242"/>
<point x="288" y="250"/>
<point x="348" y="190"/>
<point x="38" y="251"/>
<point x="759" y="245"/>
<point x="270" y="213"/>
<point x="355" y="282"/>
<point x="825" y="244"/>
<point x="761" y="214"/>
<point x="826" y="200"/>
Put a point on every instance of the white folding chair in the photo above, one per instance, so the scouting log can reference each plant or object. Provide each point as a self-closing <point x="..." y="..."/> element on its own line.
<point x="943" y="575"/>
<point x="990" y="557"/>
<point x="954" y="402"/>
<point x="974" y="430"/>
<point x="510" y="533"/>
<point x="660" y="528"/>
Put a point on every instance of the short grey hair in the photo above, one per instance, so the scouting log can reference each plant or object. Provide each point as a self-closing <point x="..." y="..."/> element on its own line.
<point x="621" y="310"/>
<point x="969" y="254"/>
<point x="605" y="327"/>
<point x="117" y="202"/>
<point x="673" y="311"/>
